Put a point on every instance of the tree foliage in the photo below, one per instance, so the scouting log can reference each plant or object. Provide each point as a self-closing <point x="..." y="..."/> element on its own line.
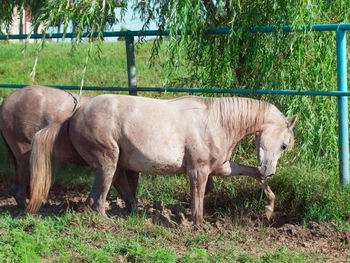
<point x="84" y="15"/>
<point x="296" y="61"/>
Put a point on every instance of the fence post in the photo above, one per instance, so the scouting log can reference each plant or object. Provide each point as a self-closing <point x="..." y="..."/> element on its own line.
<point x="130" y="63"/>
<point x="343" y="120"/>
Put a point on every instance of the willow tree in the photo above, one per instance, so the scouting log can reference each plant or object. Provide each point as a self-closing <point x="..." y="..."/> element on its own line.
<point x="297" y="61"/>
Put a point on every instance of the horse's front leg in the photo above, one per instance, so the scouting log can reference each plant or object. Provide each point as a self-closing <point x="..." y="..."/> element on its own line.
<point x="269" y="208"/>
<point x="235" y="169"/>
<point x="198" y="180"/>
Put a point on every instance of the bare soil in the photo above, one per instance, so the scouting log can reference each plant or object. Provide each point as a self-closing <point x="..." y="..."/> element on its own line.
<point x="250" y="234"/>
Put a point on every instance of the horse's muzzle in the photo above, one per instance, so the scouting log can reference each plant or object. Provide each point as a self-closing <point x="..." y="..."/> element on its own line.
<point x="265" y="172"/>
<point x="268" y="176"/>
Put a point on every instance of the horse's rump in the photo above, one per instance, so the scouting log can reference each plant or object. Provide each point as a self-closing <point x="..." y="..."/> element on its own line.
<point x="23" y="113"/>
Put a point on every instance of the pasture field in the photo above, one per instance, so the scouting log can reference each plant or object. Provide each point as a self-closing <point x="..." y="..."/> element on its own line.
<point x="311" y="222"/>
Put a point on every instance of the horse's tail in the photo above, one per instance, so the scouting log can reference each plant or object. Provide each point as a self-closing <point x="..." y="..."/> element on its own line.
<point x="40" y="165"/>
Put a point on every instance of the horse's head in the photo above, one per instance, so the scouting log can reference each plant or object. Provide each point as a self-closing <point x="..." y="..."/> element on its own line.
<point x="270" y="142"/>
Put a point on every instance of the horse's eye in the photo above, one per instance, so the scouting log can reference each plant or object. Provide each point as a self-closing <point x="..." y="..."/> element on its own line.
<point x="284" y="146"/>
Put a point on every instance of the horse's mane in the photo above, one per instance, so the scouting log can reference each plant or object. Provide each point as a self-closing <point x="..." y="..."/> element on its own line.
<point x="237" y="113"/>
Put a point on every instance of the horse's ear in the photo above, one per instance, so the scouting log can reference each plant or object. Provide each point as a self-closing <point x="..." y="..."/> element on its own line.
<point x="292" y="121"/>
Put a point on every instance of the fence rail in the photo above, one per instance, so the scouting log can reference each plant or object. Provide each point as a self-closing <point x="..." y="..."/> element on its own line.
<point x="211" y="31"/>
<point x="196" y="90"/>
<point x="341" y="93"/>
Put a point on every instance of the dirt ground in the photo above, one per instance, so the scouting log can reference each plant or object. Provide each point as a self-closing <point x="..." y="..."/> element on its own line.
<point x="254" y="235"/>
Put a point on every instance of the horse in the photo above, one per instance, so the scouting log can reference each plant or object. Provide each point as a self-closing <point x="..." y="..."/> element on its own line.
<point x="28" y="110"/>
<point x="192" y="135"/>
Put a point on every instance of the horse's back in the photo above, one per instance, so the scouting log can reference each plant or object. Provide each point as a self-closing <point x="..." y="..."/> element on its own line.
<point x="126" y="106"/>
<point x="123" y="113"/>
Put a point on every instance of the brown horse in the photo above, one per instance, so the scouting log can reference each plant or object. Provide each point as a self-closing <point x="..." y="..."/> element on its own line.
<point x="30" y="109"/>
<point x="190" y="135"/>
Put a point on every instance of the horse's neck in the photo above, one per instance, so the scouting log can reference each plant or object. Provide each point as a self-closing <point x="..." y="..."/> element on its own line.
<point x="241" y="116"/>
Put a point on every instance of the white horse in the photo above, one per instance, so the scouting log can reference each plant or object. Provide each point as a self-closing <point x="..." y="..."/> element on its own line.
<point x="191" y="135"/>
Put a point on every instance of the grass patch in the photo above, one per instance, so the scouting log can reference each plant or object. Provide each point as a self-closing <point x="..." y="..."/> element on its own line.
<point x="283" y="255"/>
<point x="76" y="237"/>
<point x="59" y="65"/>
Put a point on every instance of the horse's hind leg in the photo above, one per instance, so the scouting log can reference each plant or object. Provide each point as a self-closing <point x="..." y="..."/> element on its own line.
<point x="100" y="188"/>
<point x="209" y="187"/>
<point x="133" y="180"/>
<point x="19" y="188"/>
<point x="104" y="166"/>
<point x="125" y="182"/>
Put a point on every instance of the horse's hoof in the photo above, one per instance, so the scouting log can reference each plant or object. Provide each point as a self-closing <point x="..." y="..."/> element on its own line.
<point x="19" y="196"/>
<point x="13" y="190"/>
<point x="88" y="205"/>
<point x="20" y="199"/>
<point x="22" y="204"/>
<point x="131" y="207"/>
<point x="268" y="212"/>
<point x="103" y="214"/>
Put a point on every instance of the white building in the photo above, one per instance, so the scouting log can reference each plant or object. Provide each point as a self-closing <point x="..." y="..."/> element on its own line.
<point x="22" y="24"/>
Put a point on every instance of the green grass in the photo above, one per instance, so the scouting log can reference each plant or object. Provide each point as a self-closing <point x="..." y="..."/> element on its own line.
<point x="75" y="237"/>
<point x="305" y="190"/>
<point x="59" y="64"/>
<point x="283" y="255"/>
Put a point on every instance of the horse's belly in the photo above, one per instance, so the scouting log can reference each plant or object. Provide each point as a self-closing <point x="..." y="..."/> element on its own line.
<point x="152" y="162"/>
<point x="152" y="146"/>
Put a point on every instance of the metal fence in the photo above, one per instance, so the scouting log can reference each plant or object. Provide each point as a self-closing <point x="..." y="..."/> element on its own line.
<point x="342" y="91"/>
